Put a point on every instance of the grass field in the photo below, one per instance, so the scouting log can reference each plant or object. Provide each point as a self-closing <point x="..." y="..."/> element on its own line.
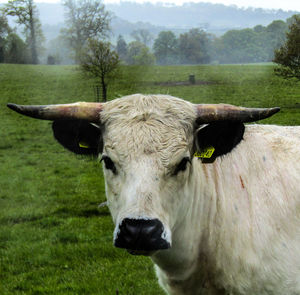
<point x="53" y="237"/>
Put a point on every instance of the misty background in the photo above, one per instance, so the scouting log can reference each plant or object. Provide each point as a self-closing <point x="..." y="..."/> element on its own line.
<point x="224" y="34"/>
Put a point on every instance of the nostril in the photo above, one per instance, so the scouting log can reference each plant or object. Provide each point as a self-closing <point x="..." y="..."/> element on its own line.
<point x="132" y="229"/>
<point x="153" y="232"/>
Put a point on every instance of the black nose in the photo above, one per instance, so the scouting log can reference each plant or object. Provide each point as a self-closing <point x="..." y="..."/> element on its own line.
<point x="141" y="234"/>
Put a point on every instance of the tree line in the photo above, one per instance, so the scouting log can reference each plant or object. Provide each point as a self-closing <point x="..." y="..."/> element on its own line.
<point x="189" y="48"/>
<point x="199" y="47"/>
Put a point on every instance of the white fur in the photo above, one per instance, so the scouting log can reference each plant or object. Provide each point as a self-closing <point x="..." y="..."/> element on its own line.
<point x="234" y="224"/>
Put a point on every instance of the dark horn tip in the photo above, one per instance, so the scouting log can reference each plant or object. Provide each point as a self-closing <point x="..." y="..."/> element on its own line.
<point x="31" y="111"/>
<point x="274" y="111"/>
<point x="15" y="107"/>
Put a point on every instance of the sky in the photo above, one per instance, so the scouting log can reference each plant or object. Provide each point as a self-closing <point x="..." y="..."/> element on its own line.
<point x="267" y="4"/>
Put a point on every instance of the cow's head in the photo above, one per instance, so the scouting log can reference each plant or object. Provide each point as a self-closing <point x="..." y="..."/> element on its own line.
<point x="146" y="144"/>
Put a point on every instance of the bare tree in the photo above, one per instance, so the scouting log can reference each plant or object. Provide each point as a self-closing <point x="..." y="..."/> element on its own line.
<point x="85" y="19"/>
<point x="100" y="61"/>
<point x="27" y="15"/>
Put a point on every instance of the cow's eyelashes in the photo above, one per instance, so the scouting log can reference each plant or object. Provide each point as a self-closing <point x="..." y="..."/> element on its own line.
<point x="182" y="165"/>
<point x="109" y="164"/>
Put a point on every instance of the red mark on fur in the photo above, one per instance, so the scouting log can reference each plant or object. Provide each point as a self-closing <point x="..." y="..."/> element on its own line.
<point x="242" y="182"/>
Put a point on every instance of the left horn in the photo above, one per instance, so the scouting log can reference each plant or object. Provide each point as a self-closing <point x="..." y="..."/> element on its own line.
<point x="88" y="111"/>
<point x="207" y="113"/>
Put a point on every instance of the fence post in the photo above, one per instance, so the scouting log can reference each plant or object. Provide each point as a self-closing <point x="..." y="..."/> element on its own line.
<point x="192" y="79"/>
<point x="97" y="91"/>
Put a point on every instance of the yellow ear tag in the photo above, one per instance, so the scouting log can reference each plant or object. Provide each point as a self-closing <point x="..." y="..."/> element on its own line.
<point x="83" y="145"/>
<point x="206" y="153"/>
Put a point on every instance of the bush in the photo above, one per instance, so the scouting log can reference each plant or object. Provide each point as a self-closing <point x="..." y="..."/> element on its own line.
<point x="288" y="55"/>
<point x="51" y="60"/>
<point x="16" y="50"/>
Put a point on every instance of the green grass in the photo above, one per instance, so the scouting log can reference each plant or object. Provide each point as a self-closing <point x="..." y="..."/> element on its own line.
<point x="53" y="237"/>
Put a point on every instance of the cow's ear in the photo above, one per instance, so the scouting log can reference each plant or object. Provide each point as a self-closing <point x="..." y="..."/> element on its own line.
<point x="217" y="139"/>
<point x="78" y="136"/>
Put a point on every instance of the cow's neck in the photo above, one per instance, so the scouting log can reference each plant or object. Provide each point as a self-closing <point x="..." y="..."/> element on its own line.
<point x="189" y="262"/>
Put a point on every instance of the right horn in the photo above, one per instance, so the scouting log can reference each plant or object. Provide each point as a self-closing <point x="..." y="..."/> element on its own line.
<point x="207" y="113"/>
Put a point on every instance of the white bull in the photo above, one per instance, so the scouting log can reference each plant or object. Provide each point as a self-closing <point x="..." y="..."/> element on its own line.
<point x="227" y="224"/>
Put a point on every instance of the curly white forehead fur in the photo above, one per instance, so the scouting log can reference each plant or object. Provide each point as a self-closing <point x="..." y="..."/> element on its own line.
<point x="148" y="124"/>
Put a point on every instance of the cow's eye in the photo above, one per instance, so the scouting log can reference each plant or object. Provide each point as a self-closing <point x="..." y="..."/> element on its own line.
<point x="109" y="164"/>
<point x="182" y="165"/>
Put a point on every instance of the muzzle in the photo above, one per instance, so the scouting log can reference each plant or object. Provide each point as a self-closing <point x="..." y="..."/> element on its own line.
<point x="141" y="236"/>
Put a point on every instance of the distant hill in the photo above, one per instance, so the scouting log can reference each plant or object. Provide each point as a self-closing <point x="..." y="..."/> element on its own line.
<point x="129" y="16"/>
<point x="212" y="17"/>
